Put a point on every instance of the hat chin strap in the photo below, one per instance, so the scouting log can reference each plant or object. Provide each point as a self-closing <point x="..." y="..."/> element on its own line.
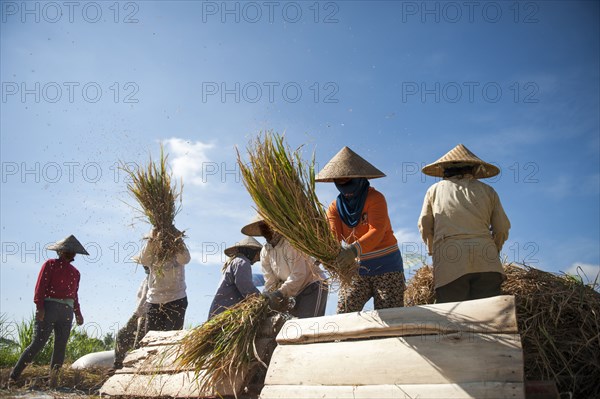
<point x="66" y="255"/>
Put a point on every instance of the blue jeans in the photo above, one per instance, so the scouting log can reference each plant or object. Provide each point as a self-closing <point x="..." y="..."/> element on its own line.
<point x="58" y="317"/>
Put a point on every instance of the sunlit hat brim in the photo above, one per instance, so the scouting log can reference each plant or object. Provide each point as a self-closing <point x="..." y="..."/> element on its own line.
<point x="461" y="156"/>
<point x="347" y="164"/>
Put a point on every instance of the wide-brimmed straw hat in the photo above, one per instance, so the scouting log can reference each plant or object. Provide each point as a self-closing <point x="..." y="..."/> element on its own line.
<point x="253" y="228"/>
<point x="247" y="242"/>
<point x="69" y="244"/>
<point x="347" y="164"/>
<point x="461" y="156"/>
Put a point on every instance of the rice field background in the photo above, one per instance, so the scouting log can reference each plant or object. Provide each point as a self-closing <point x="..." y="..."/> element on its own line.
<point x="35" y="381"/>
<point x="16" y="336"/>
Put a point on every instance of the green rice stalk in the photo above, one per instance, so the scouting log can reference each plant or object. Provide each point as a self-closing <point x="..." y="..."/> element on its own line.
<point x="282" y="186"/>
<point x="221" y="350"/>
<point x="160" y="201"/>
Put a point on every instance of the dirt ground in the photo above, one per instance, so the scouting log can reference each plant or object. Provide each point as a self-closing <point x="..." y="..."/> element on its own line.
<point x="36" y="383"/>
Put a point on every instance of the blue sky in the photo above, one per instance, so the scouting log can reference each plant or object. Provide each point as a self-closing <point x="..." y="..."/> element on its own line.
<point x="90" y="85"/>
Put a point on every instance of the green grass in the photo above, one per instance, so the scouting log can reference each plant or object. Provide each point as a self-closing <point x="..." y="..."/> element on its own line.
<point x="15" y="337"/>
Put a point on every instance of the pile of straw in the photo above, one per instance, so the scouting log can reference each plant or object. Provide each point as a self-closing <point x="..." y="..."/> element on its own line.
<point x="222" y="349"/>
<point x="160" y="201"/>
<point x="283" y="187"/>
<point x="559" y="324"/>
<point x="67" y="382"/>
<point x="419" y="289"/>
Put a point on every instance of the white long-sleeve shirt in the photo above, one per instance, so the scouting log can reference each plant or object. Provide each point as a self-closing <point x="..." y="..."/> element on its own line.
<point x="166" y="283"/>
<point x="142" y="294"/>
<point x="283" y="262"/>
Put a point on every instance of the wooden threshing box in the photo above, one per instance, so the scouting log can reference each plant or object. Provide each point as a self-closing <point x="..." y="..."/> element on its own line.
<point x="465" y="349"/>
<point x="150" y="371"/>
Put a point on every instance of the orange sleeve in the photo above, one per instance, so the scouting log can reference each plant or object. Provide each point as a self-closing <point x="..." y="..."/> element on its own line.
<point x="378" y="221"/>
<point x="335" y="222"/>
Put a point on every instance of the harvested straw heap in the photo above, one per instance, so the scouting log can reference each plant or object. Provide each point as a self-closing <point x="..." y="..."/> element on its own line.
<point x="283" y="187"/>
<point x="157" y="197"/>
<point x="419" y="289"/>
<point x="559" y="323"/>
<point x="222" y="349"/>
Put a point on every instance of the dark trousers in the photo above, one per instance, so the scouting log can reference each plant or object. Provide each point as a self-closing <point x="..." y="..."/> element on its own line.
<point x="311" y="302"/>
<point x="129" y="338"/>
<point x="58" y="317"/>
<point x="470" y="286"/>
<point x="167" y="316"/>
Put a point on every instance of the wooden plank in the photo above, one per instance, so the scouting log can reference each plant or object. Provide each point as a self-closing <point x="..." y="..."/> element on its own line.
<point x="162" y="358"/>
<point x="179" y="385"/>
<point x="269" y="328"/>
<point x="427" y="359"/>
<point x="152" y="370"/>
<point x="157" y="338"/>
<point x="489" y="315"/>
<point x="151" y="360"/>
<point x="478" y="390"/>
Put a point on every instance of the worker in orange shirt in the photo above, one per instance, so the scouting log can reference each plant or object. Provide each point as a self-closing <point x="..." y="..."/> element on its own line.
<point x="360" y="220"/>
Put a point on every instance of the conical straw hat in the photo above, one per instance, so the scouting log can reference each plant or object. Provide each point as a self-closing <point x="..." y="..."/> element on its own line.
<point x="253" y="228"/>
<point x="461" y="156"/>
<point x="347" y="164"/>
<point x="69" y="244"/>
<point x="247" y="242"/>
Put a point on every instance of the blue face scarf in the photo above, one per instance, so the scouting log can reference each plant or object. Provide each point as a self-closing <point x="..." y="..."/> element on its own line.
<point x="351" y="201"/>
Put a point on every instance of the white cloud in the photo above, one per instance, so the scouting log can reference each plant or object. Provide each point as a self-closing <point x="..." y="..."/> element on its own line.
<point x="506" y="142"/>
<point x="210" y="255"/>
<point x="565" y="186"/>
<point x="407" y="236"/>
<point x="189" y="160"/>
<point x="592" y="186"/>
<point x="560" y="188"/>
<point x="531" y="84"/>
<point x="588" y="272"/>
<point x="414" y="251"/>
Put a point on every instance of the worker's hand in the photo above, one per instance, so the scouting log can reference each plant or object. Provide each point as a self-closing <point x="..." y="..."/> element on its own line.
<point x="79" y="319"/>
<point x="277" y="301"/>
<point x="39" y="314"/>
<point x="347" y="256"/>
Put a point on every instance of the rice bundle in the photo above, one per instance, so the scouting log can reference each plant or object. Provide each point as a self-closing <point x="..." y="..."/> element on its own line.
<point x="283" y="187"/>
<point x="559" y="323"/>
<point x="220" y="350"/>
<point x="157" y="197"/>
